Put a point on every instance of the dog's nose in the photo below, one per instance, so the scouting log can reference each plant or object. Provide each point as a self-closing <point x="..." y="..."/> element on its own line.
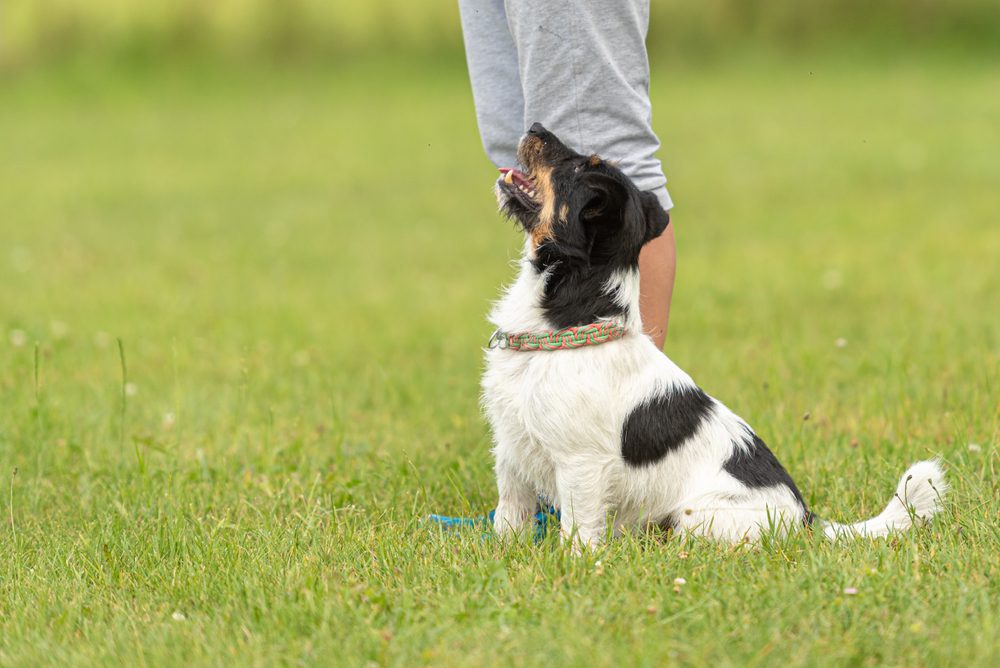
<point x="536" y="129"/>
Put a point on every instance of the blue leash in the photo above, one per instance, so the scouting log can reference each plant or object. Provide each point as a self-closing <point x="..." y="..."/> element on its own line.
<point x="544" y="516"/>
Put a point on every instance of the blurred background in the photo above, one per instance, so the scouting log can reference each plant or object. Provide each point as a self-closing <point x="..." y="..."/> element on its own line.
<point x="283" y="209"/>
<point x="46" y="30"/>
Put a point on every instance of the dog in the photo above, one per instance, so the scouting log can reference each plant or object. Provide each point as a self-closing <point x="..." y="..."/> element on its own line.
<point x="589" y="416"/>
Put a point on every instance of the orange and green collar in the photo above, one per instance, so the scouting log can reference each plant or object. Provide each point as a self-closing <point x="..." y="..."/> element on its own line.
<point x="562" y="339"/>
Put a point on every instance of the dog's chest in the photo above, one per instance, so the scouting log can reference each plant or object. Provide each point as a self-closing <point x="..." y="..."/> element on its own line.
<point x="558" y="403"/>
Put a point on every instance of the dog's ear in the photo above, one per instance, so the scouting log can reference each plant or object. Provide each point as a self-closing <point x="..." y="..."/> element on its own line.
<point x="656" y="219"/>
<point x="602" y="203"/>
<point x="603" y="199"/>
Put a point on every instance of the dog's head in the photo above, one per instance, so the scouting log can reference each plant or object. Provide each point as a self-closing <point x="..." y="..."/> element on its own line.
<point x="576" y="208"/>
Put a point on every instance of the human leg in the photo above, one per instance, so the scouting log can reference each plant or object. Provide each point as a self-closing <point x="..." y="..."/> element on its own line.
<point x="585" y="76"/>
<point x="657" y="268"/>
<point x="496" y="84"/>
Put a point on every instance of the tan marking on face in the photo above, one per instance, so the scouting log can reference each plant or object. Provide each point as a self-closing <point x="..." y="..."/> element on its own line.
<point x="563" y="213"/>
<point x="542" y="177"/>
<point x="528" y="150"/>
<point x="594" y="161"/>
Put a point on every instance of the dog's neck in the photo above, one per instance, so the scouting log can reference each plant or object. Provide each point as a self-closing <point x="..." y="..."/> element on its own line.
<point x="545" y="299"/>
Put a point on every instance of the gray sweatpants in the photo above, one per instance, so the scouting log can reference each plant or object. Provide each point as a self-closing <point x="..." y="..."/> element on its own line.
<point x="579" y="67"/>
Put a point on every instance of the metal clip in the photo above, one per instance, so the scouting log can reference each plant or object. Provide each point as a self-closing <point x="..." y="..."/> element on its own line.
<point x="499" y="341"/>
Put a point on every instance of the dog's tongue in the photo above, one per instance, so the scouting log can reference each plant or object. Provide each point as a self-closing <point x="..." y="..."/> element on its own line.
<point x="515" y="177"/>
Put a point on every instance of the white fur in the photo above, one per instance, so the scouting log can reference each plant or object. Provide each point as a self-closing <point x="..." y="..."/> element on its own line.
<point x="918" y="497"/>
<point x="557" y="418"/>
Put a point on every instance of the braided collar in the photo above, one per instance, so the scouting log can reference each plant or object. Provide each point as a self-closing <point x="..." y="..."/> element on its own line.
<point x="561" y="339"/>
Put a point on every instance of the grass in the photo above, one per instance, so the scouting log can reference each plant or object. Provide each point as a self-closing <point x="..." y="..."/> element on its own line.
<point x="297" y="264"/>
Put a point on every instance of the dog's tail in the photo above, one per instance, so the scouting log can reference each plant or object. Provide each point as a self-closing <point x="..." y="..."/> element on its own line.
<point x="919" y="496"/>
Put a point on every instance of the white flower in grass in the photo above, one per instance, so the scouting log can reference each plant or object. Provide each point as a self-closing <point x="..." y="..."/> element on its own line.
<point x="841" y="342"/>
<point x="850" y="591"/>
<point x="131" y="389"/>
<point x="974" y="447"/>
<point x="680" y="581"/>
<point x="17" y="337"/>
<point x="178" y="616"/>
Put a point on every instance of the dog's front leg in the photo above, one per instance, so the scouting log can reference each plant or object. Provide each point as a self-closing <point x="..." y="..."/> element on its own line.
<point x="517" y="501"/>
<point x="581" y="504"/>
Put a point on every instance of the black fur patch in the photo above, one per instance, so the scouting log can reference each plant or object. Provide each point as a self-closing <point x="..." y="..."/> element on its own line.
<point x="575" y="295"/>
<point x="667" y="524"/>
<point x="583" y="256"/>
<point x="661" y="425"/>
<point x="756" y="466"/>
<point x="604" y="222"/>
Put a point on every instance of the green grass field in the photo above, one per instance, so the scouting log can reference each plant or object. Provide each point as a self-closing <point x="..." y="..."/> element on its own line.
<point x="298" y="263"/>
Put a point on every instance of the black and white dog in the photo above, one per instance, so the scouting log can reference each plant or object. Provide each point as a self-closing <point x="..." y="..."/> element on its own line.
<point x="588" y="414"/>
